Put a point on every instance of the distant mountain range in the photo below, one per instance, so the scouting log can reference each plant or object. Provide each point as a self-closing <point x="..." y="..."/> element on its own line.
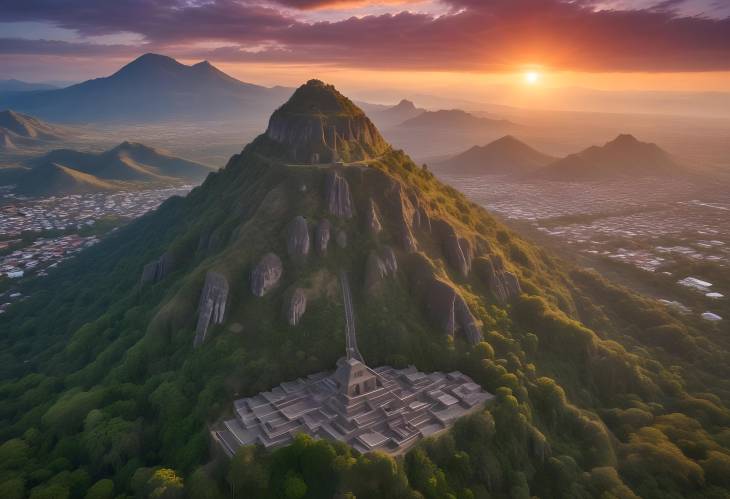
<point x="507" y="155"/>
<point x="129" y="165"/>
<point x="403" y="111"/>
<point x="623" y="157"/>
<point x="152" y="88"/>
<point x="14" y="85"/>
<point x="453" y="119"/>
<point x="17" y="130"/>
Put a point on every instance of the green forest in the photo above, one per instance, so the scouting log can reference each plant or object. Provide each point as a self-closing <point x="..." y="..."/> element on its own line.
<point x="600" y="392"/>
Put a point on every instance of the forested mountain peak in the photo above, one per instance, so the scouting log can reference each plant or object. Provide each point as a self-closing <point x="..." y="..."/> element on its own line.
<point x="318" y="124"/>
<point x="119" y="363"/>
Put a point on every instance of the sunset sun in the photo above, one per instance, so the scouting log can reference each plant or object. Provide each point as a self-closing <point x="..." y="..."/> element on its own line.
<point x="532" y="77"/>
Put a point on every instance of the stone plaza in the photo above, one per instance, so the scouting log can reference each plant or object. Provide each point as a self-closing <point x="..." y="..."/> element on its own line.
<point x="383" y="409"/>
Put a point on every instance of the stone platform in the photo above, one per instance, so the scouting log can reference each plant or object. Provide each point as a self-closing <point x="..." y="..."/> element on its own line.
<point x="383" y="409"/>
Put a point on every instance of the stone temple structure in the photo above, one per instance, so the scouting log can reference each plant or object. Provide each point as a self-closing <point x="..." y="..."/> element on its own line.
<point x="383" y="409"/>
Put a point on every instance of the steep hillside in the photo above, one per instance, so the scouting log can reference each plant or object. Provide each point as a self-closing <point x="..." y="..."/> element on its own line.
<point x="507" y="155"/>
<point x="129" y="165"/>
<point x="623" y="157"/>
<point x="151" y="88"/>
<point x="51" y="179"/>
<point x="118" y="363"/>
<point x="18" y="130"/>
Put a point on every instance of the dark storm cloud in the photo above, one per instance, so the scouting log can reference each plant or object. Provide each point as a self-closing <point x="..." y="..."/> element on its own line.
<point x="474" y="34"/>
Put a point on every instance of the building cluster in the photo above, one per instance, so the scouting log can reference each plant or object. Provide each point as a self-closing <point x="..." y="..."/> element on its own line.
<point x="65" y="214"/>
<point x="649" y="224"/>
<point x="18" y="214"/>
<point x="42" y="254"/>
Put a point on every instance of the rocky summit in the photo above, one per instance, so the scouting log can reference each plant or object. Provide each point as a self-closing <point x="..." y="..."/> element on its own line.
<point x="320" y="125"/>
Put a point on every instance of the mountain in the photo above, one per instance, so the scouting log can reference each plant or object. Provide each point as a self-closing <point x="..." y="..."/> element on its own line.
<point x="117" y="365"/>
<point x="442" y="134"/>
<point x="18" y="129"/>
<point x="404" y="110"/>
<point x="152" y="88"/>
<point x="507" y="155"/>
<point x="625" y="157"/>
<point x="52" y="179"/>
<point x="318" y="124"/>
<point x="453" y="119"/>
<point x="13" y="85"/>
<point x="66" y="171"/>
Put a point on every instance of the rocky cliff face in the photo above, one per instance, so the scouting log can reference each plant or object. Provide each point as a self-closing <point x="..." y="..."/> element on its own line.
<point x="457" y="251"/>
<point x="448" y="308"/>
<point x="339" y="200"/>
<point x="379" y="265"/>
<point x="295" y="307"/>
<point x="156" y="270"/>
<point x="297" y="239"/>
<point x="320" y="125"/>
<point x="341" y="239"/>
<point x="212" y="305"/>
<point x="322" y="236"/>
<point x="504" y="285"/>
<point x="266" y="274"/>
<point x="373" y="220"/>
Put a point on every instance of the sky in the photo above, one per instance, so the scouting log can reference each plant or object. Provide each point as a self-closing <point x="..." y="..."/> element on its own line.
<point x="475" y="47"/>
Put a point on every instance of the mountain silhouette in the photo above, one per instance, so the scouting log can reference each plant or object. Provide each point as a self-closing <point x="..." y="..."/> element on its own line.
<point x="507" y="155"/>
<point x="404" y="110"/>
<point x="129" y="165"/>
<point x="19" y="130"/>
<point x="152" y="88"/>
<point x="453" y="119"/>
<point x="623" y="157"/>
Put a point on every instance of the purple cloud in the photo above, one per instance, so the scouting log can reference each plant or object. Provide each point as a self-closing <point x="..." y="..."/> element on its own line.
<point x="475" y="35"/>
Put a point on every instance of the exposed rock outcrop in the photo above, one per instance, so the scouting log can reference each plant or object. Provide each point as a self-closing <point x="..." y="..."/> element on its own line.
<point x="373" y="220"/>
<point x="379" y="265"/>
<point x="322" y="236"/>
<point x="341" y="239"/>
<point x="375" y="271"/>
<point x="212" y="305"/>
<point x="295" y="307"/>
<point x="318" y="124"/>
<point x="408" y="239"/>
<point x="456" y="250"/>
<point x="421" y="219"/>
<point x="388" y="256"/>
<point x="467" y="250"/>
<point x="504" y="285"/>
<point x="266" y="274"/>
<point x="448" y="308"/>
<point x="156" y="270"/>
<point x="297" y="239"/>
<point x="339" y="201"/>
